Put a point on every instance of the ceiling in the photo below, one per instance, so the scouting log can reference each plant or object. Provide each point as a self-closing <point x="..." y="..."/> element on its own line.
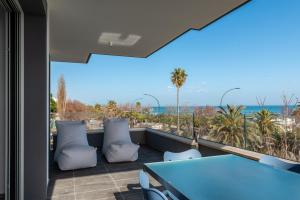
<point x="135" y="28"/>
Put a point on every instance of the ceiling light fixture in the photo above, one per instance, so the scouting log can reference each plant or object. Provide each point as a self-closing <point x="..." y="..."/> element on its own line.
<point x="116" y="40"/>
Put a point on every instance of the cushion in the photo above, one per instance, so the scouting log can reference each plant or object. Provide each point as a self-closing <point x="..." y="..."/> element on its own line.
<point x="76" y="157"/>
<point x="70" y="133"/>
<point x="122" y="152"/>
<point x="115" y="131"/>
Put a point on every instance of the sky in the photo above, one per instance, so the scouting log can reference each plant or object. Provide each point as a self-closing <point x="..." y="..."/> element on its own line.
<point x="255" y="48"/>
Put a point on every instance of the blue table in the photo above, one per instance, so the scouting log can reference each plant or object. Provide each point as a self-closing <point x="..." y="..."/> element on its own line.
<point x="226" y="177"/>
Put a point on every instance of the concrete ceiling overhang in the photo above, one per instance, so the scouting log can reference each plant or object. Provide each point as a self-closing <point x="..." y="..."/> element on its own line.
<point x="134" y="28"/>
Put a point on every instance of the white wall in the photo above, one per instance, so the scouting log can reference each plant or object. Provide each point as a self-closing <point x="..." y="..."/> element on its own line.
<point x="2" y="101"/>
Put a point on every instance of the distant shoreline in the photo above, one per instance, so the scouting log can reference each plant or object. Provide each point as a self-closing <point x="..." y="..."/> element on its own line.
<point x="249" y="109"/>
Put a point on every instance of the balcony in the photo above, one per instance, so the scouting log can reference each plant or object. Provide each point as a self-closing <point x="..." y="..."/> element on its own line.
<point x="245" y="47"/>
<point x="120" y="180"/>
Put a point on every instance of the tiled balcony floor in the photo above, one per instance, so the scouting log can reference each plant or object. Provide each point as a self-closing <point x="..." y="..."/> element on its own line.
<point x="103" y="182"/>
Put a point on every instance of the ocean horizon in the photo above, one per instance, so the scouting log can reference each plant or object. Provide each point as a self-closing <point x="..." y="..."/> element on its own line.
<point x="248" y="109"/>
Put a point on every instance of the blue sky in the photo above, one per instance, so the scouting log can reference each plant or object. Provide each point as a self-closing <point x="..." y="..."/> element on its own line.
<point x="256" y="48"/>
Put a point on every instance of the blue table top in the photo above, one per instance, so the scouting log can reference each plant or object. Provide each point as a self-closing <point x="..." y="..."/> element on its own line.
<point x="226" y="177"/>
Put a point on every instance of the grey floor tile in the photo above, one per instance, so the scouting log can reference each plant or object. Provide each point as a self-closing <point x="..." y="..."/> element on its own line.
<point x="65" y="182"/>
<point x="102" y="178"/>
<point x="98" y="170"/>
<point x="125" y="175"/>
<point x="96" y="186"/>
<point x="130" y="196"/>
<point x="97" y="194"/>
<point x="63" y="197"/>
<point x="56" y="191"/>
<point x="106" y="181"/>
<point x="127" y="182"/>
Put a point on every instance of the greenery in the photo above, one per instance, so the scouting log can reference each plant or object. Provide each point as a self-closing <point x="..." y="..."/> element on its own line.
<point x="53" y="106"/>
<point x="260" y="132"/>
<point x="227" y="126"/>
<point x="266" y="123"/>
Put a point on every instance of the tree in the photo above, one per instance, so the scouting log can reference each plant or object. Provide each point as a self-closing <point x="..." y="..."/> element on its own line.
<point x="138" y="106"/>
<point x="112" y="103"/>
<point x="98" y="107"/>
<point x="202" y="120"/>
<point x="75" y="106"/>
<point x="178" y="78"/>
<point x="61" y="97"/>
<point x="76" y="110"/>
<point x="287" y="128"/>
<point x="266" y="122"/>
<point x="228" y="126"/>
<point x="111" y="108"/>
<point x="53" y="105"/>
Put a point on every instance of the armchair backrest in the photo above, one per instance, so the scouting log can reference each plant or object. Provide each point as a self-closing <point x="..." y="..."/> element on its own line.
<point x="70" y="133"/>
<point x="115" y="131"/>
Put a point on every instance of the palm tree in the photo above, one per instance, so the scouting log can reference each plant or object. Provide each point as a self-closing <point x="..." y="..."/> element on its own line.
<point x="178" y="78"/>
<point x="266" y="122"/>
<point x="138" y="106"/>
<point x="112" y="108"/>
<point x="228" y="126"/>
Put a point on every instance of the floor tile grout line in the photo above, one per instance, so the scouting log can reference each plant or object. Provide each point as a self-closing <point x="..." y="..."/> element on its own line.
<point x="107" y="181"/>
<point x="84" y="192"/>
<point x="74" y="189"/>
<point x="96" y="190"/>
<point x="115" y="183"/>
<point x="60" y="195"/>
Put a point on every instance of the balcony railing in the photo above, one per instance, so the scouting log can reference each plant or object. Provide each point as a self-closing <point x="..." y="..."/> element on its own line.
<point x="281" y="138"/>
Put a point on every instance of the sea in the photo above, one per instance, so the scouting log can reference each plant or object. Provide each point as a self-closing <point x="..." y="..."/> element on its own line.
<point x="250" y="109"/>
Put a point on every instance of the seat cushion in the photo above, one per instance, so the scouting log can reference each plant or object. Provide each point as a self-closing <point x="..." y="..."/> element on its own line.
<point x="76" y="157"/>
<point x="122" y="152"/>
<point x="115" y="131"/>
<point x="70" y="133"/>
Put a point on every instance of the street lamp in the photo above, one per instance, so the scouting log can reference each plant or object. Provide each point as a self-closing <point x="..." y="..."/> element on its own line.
<point x="227" y="91"/>
<point x="156" y="99"/>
